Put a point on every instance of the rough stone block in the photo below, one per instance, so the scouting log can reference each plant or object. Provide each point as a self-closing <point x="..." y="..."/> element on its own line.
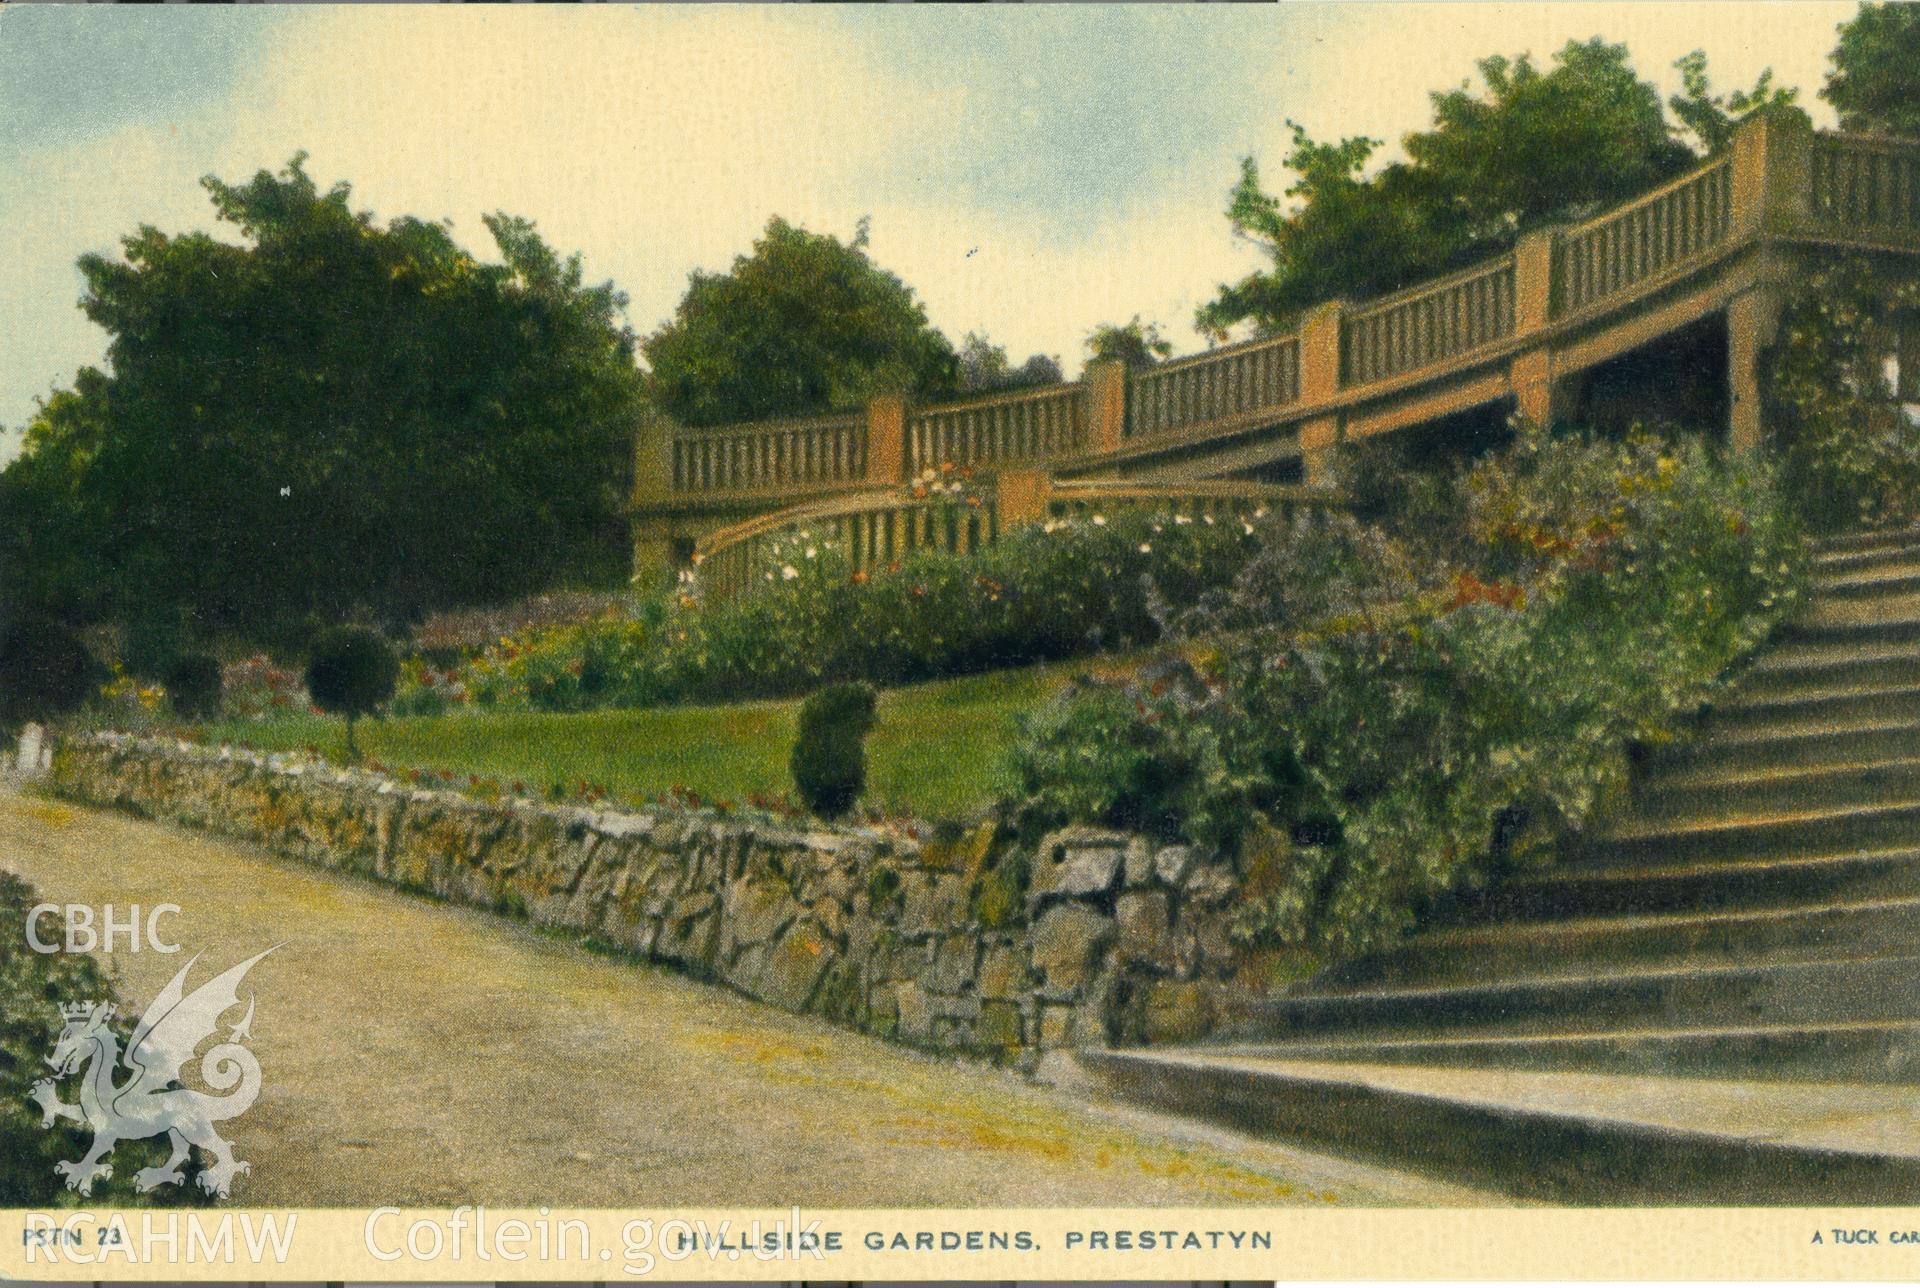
<point x="1068" y="941"/>
<point x="1077" y="863"/>
<point x="1141" y="918"/>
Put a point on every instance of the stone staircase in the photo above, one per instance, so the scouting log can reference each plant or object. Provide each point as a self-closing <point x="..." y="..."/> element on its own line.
<point x="1716" y="1000"/>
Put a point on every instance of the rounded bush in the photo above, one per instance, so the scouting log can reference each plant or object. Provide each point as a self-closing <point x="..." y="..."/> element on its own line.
<point x="351" y="671"/>
<point x="829" y="756"/>
<point x="194" y="686"/>
<point x="44" y="671"/>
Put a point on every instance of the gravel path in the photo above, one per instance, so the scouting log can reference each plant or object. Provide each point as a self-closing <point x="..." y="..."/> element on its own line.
<point x="417" y="1053"/>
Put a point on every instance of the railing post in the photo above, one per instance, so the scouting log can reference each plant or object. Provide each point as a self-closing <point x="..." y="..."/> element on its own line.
<point x="887" y="439"/>
<point x="1320" y="383"/>
<point x="1536" y="391"/>
<point x="1772" y="176"/>
<point x="1106" y="405"/>
<point x="652" y="529"/>
<point x="1023" y="497"/>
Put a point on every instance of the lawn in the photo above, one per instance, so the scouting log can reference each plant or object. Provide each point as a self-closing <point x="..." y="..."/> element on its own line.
<point x="935" y="752"/>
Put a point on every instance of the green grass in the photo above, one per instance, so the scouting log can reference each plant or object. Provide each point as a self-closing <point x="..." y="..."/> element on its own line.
<point x="935" y="752"/>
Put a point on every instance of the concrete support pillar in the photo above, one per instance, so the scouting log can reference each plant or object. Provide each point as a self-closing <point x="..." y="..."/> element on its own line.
<point x="887" y="439"/>
<point x="1539" y="398"/>
<point x="1318" y="437"/>
<point x="1106" y="405"/>
<point x="1753" y="319"/>
<point x="1023" y="497"/>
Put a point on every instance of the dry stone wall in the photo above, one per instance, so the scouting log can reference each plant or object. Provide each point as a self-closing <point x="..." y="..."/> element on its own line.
<point x="965" y="943"/>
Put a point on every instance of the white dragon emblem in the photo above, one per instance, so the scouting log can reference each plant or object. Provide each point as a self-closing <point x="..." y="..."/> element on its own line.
<point x="150" y="1101"/>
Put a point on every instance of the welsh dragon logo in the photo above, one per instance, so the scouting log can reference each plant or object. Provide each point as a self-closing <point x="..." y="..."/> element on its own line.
<point x="151" y="1101"/>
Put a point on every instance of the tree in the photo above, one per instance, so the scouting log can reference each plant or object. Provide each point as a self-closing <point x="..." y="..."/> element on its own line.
<point x="45" y="671"/>
<point x="1534" y="147"/>
<point x="829" y="760"/>
<point x="1875" y="81"/>
<point x="1136" y="343"/>
<point x="329" y="416"/>
<point x="984" y="367"/>
<point x="351" y="672"/>
<point x="805" y="324"/>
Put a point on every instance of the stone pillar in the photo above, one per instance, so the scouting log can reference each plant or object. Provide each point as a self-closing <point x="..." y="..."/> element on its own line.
<point x="28" y="760"/>
<point x="1106" y="405"/>
<point x="1533" y="264"/>
<point x="1023" y="497"/>
<point x="887" y="440"/>
<point x="1772" y="177"/>
<point x="1753" y="319"/>
<point x="1317" y="439"/>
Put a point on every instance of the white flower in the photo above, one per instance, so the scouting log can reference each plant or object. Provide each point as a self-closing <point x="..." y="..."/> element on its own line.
<point x="768" y="576"/>
<point x="1158" y="528"/>
<point x="1100" y="520"/>
<point x="1261" y="513"/>
<point x="1208" y="518"/>
<point x="812" y="551"/>
<point x="1145" y="549"/>
<point x="1248" y="527"/>
<point x="789" y="572"/>
<point x="1181" y="520"/>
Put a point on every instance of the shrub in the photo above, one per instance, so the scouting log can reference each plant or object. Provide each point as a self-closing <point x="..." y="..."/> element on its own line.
<point x="352" y="671"/>
<point x="829" y="756"/>
<point x="1407" y="748"/>
<point x="256" y="686"/>
<point x="1849" y="455"/>
<point x="33" y="986"/>
<point x="45" y="671"/>
<point x="194" y="686"/>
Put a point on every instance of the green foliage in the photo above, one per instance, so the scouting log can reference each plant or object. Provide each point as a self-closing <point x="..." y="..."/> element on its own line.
<point x="1714" y="119"/>
<point x="332" y="416"/>
<point x="1875" y="81"/>
<point x="194" y="686"/>
<point x="1136" y="343"/>
<point x="45" y="671"/>
<point x="1536" y="147"/>
<point x="351" y="671"/>
<point x="1849" y="454"/>
<point x="984" y="367"/>
<point x="829" y="760"/>
<point x="33" y="987"/>
<point x="1406" y="733"/>
<point x="1063" y="589"/>
<point x="804" y="324"/>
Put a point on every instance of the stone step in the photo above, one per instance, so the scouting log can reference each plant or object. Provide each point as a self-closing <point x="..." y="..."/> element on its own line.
<point x="1892" y="577"/>
<point x="1823" y="991"/>
<point x="1708" y="792"/>
<point x="1572" y="890"/>
<point x="1577" y="947"/>
<point x="1746" y="837"/>
<point x="1563" y="1137"/>
<point x="1829" y="611"/>
<point x="1858" y="630"/>
<point x="1867" y="739"/>
<point x="1814" y="711"/>
<point x="1828" y="669"/>
<point x="1876" y="1052"/>
<point x="1851" y="543"/>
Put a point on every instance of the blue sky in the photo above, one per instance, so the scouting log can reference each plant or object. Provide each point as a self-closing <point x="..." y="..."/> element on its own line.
<point x="1030" y="171"/>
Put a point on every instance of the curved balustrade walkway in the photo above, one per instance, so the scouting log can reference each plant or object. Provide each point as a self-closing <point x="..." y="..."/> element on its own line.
<point x="1721" y="240"/>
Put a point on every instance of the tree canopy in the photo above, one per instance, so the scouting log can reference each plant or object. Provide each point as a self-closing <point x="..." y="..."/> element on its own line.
<point x="1875" y="81"/>
<point x="805" y="324"/>
<point x="325" y="417"/>
<point x="984" y="367"/>
<point x="1537" y="146"/>
<point x="1136" y="343"/>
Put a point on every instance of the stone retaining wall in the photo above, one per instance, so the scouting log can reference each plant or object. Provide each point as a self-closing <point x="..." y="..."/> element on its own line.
<point x="966" y="943"/>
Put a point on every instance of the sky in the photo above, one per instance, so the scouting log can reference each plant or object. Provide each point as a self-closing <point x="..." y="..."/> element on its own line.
<point x="1029" y="171"/>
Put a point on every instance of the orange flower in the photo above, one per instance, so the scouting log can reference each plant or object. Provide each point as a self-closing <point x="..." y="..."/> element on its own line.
<point x="860" y="577"/>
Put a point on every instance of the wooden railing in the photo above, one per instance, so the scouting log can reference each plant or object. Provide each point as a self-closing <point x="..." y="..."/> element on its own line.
<point x="1221" y="385"/>
<point x="1662" y="230"/>
<point x="1216" y="498"/>
<point x="1431" y="323"/>
<point x="771" y="455"/>
<point x="1860" y="183"/>
<point x="999" y="429"/>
